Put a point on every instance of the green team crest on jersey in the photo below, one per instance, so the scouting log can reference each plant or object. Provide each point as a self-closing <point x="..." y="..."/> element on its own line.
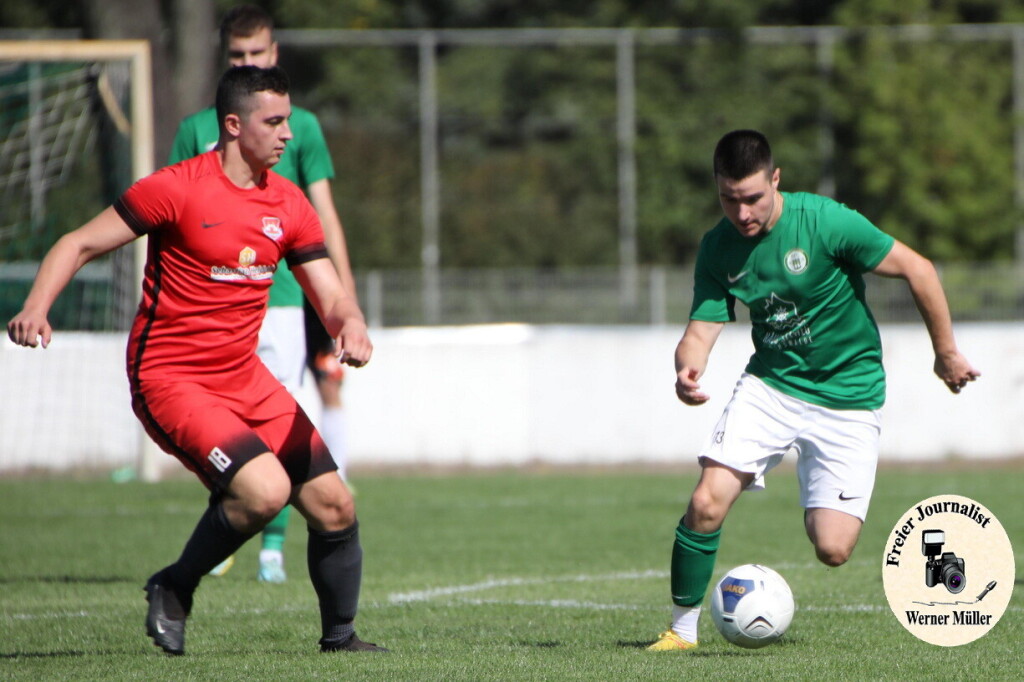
<point x="796" y="261"/>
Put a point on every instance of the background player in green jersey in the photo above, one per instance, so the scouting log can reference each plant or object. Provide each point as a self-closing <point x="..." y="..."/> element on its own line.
<point x="247" y="40"/>
<point x="815" y="381"/>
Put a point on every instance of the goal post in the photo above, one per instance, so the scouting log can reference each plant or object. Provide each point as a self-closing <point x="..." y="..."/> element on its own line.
<point x="46" y="132"/>
<point x="135" y="52"/>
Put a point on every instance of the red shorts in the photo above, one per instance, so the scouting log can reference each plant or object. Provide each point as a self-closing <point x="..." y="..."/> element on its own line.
<point x="215" y="425"/>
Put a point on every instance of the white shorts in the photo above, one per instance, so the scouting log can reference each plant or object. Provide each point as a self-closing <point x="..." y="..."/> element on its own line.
<point x="837" y="450"/>
<point x="282" y="345"/>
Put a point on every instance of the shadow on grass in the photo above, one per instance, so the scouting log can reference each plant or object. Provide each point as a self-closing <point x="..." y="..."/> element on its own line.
<point x="76" y="579"/>
<point x="541" y="645"/>
<point x="49" y="654"/>
<point x="714" y="653"/>
<point x="704" y="653"/>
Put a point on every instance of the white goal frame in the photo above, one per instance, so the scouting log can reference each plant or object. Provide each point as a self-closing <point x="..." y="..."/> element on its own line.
<point x="137" y="54"/>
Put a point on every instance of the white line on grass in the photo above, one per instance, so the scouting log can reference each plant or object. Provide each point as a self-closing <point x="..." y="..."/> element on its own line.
<point x="428" y="594"/>
<point x="47" y="616"/>
<point x="561" y="604"/>
<point x="434" y="592"/>
<point x="593" y="606"/>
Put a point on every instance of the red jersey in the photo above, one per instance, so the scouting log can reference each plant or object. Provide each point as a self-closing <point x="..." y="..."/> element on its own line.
<point x="213" y="250"/>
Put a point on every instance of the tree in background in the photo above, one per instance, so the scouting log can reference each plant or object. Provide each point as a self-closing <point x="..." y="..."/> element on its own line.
<point x="926" y="130"/>
<point x="923" y="131"/>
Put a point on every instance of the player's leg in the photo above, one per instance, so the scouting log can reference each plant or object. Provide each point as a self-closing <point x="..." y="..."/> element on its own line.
<point x="695" y="549"/>
<point x="333" y="427"/>
<point x="271" y="559"/>
<point x="838" y="455"/>
<point x="334" y="553"/>
<point x="282" y="348"/>
<point x="329" y="375"/>
<point x="255" y="494"/>
<point x="750" y="439"/>
<point x="249" y="487"/>
<point x="335" y="559"/>
<point x="833" y="533"/>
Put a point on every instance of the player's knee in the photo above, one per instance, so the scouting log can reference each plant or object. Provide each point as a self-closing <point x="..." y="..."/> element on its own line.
<point x="833" y="554"/>
<point x="340" y="512"/>
<point x="265" y="503"/>
<point x="705" y="511"/>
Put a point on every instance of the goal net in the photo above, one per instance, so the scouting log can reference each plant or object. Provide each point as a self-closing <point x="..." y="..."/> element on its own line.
<point x="75" y="131"/>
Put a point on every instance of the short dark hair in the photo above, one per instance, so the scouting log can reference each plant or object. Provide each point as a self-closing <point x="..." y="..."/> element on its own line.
<point x="244" y="21"/>
<point x="742" y="153"/>
<point x="240" y="83"/>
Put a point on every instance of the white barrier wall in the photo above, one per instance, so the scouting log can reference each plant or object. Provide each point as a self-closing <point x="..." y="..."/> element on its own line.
<point x="507" y="394"/>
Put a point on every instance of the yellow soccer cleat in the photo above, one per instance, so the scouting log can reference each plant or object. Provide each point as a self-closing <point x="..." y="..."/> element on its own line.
<point x="670" y="641"/>
<point x="223" y="567"/>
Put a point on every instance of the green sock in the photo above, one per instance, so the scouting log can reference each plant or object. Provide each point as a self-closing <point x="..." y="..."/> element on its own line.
<point x="273" y="533"/>
<point x="693" y="561"/>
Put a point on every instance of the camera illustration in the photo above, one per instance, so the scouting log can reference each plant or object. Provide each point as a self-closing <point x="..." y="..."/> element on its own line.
<point x="947" y="569"/>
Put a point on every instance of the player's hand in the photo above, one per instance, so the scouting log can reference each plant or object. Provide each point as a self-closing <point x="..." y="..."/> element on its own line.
<point x="954" y="370"/>
<point x="29" y="329"/>
<point x="687" y="388"/>
<point x="352" y="346"/>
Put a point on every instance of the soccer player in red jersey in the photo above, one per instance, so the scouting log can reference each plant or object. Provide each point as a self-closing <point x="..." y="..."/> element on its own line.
<point x="218" y="224"/>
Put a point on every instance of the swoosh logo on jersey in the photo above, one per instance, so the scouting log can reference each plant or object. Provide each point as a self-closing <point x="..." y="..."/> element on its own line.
<point x="844" y="498"/>
<point x="735" y="278"/>
<point x="207" y="225"/>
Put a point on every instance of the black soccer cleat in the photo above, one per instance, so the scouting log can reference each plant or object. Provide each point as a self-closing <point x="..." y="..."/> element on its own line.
<point x="353" y="643"/>
<point x="165" y="619"/>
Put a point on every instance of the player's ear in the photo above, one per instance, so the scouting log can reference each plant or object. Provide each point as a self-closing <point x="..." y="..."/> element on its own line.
<point x="776" y="174"/>
<point x="233" y="124"/>
<point x="273" y="53"/>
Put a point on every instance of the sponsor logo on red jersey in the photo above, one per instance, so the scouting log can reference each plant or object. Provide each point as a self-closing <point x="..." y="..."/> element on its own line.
<point x="247" y="269"/>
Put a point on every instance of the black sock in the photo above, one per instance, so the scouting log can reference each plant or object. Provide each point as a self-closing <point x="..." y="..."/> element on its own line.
<point x="336" y="568"/>
<point x="213" y="541"/>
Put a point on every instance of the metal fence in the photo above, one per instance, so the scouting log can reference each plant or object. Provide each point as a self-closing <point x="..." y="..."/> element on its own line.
<point x="585" y="296"/>
<point x="655" y="296"/>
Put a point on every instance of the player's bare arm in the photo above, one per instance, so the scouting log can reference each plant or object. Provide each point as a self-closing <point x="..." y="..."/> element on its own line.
<point x="692" y="359"/>
<point x="338" y="309"/>
<point x="334" y="234"/>
<point x="102" y="234"/>
<point x="950" y="364"/>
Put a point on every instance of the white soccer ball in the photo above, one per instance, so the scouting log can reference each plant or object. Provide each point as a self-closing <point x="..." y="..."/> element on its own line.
<point x="752" y="606"/>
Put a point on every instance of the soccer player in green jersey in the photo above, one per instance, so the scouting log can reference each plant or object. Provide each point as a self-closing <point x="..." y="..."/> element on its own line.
<point x="815" y="382"/>
<point x="247" y="40"/>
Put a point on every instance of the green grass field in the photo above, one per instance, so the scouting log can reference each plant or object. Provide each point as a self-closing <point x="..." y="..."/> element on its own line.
<point x="483" y="576"/>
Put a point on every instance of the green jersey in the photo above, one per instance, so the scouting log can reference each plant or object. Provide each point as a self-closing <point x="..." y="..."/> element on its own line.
<point x="814" y="337"/>
<point x="306" y="160"/>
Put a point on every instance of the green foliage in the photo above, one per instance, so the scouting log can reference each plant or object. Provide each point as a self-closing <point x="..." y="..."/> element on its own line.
<point x="687" y="99"/>
<point x="40" y="14"/>
<point x="926" y="135"/>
